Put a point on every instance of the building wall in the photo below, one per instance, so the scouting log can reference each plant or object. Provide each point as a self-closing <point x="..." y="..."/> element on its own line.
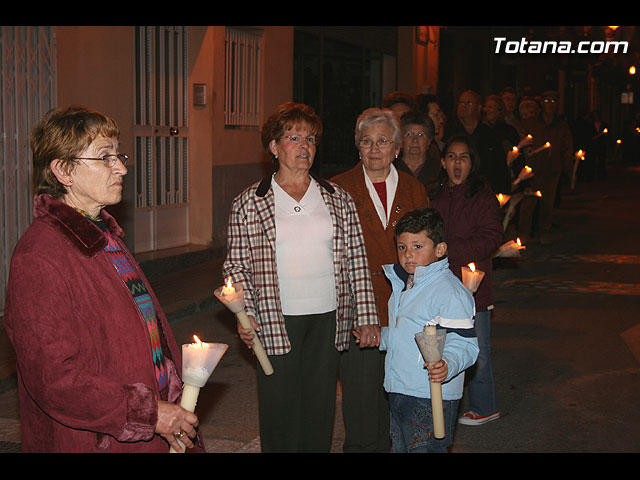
<point x="238" y="159"/>
<point x="418" y="62"/>
<point x="95" y="69"/>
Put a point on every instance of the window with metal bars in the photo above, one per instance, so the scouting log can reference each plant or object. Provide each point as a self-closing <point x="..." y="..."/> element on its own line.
<point x="243" y="55"/>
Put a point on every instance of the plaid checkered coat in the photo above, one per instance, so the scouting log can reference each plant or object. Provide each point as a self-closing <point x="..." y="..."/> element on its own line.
<point x="251" y="261"/>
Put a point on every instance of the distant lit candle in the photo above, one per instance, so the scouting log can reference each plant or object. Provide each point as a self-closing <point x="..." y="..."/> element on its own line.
<point x="234" y="300"/>
<point x="510" y="249"/>
<point x="503" y="199"/>
<point x="471" y="277"/>
<point x="525" y="173"/>
<point x="540" y="149"/>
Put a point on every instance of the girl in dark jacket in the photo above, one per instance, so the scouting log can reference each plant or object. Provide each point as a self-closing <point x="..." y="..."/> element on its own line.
<point x="473" y="228"/>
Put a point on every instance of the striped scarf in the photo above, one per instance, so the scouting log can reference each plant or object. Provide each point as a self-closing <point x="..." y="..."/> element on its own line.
<point x="143" y="301"/>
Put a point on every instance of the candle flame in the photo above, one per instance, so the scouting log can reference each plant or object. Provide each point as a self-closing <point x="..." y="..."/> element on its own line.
<point x="605" y="130"/>
<point x="228" y="288"/>
<point x="529" y="136"/>
<point x="547" y="145"/>
<point x="199" y="343"/>
<point x="538" y="193"/>
<point x="515" y="148"/>
<point x="518" y="242"/>
<point x="472" y="267"/>
<point x="527" y="168"/>
<point x="500" y="197"/>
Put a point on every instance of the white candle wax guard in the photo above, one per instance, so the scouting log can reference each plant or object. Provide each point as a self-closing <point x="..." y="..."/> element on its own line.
<point x="199" y="361"/>
<point x="510" y="249"/>
<point x="471" y="278"/>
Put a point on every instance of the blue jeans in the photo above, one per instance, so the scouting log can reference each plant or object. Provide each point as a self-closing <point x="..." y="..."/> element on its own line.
<point x="481" y="386"/>
<point x="412" y="424"/>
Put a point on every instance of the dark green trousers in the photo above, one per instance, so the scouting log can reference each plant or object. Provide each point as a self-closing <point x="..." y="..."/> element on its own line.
<point x="365" y="403"/>
<point x="297" y="402"/>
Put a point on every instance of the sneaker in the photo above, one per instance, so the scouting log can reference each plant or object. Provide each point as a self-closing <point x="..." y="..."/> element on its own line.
<point x="472" y="418"/>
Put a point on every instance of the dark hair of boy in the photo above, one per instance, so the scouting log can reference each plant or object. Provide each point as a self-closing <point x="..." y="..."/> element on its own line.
<point x="422" y="219"/>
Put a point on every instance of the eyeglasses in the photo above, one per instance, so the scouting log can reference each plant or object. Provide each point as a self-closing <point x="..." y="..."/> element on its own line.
<point x="467" y="104"/>
<point x="109" y="160"/>
<point x="382" y="144"/>
<point x="298" y="138"/>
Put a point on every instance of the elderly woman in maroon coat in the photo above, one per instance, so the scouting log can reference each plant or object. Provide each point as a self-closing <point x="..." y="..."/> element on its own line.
<point x="96" y="359"/>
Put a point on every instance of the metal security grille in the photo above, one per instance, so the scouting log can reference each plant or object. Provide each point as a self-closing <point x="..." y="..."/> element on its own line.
<point x="161" y="116"/>
<point x="161" y="145"/>
<point x="243" y="50"/>
<point x="27" y="92"/>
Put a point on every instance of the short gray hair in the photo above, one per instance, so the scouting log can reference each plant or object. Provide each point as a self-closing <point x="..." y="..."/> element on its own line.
<point x="373" y="116"/>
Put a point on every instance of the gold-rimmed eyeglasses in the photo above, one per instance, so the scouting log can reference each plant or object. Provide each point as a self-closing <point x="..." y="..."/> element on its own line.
<point x="109" y="160"/>
<point x="382" y="144"/>
<point x="298" y="139"/>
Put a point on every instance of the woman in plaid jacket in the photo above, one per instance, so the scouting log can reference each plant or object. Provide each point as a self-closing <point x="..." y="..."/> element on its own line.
<point x="295" y="244"/>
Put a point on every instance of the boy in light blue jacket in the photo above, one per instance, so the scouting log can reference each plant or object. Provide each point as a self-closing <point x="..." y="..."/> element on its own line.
<point x="425" y="292"/>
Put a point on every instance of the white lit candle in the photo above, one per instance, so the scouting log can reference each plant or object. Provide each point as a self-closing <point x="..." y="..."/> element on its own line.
<point x="525" y="173"/>
<point x="233" y="299"/>
<point x="471" y="277"/>
<point x="503" y="199"/>
<point x="578" y="157"/>
<point x="540" y="149"/>
<point x="510" y="249"/>
<point x="510" y="211"/>
<point x="431" y="344"/>
<point x="199" y="360"/>
<point x="601" y="133"/>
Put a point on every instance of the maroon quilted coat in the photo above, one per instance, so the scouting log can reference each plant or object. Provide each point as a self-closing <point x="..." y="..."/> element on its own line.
<point x="85" y="375"/>
<point x="473" y="231"/>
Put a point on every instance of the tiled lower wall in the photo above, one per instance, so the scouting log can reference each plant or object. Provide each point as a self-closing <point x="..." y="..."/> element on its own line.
<point x="228" y="182"/>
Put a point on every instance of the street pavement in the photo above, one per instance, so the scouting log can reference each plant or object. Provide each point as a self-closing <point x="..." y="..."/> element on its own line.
<point x="565" y="340"/>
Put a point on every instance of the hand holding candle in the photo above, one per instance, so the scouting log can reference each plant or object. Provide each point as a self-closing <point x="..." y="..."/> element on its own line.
<point x="199" y="360"/>
<point x="471" y="277"/>
<point x="233" y="299"/>
<point x="431" y="344"/>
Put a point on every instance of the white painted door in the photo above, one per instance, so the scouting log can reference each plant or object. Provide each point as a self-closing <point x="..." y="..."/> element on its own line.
<point x="161" y="138"/>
